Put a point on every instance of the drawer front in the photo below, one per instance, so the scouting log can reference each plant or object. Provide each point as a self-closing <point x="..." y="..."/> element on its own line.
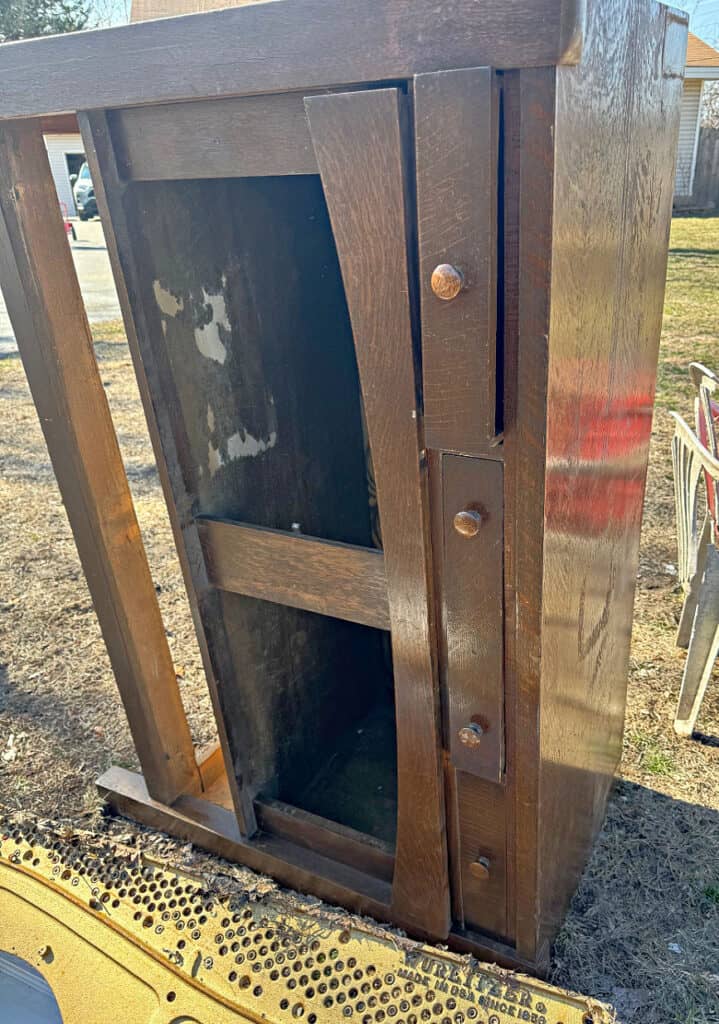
<point x="480" y="867"/>
<point x="472" y="594"/>
<point x="456" y="132"/>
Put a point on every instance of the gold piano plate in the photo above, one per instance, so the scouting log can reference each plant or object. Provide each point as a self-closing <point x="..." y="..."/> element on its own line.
<point x="122" y="939"/>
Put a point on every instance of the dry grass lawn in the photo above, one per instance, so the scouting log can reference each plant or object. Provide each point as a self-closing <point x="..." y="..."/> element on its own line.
<point x="643" y="931"/>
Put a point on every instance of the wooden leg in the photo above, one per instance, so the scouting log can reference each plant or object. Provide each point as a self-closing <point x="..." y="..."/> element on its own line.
<point x="43" y="298"/>
<point x="690" y="601"/>
<point x="703" y="647"/>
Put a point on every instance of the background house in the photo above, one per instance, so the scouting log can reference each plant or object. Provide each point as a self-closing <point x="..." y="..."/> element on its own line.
<point x="702" y="67"/>
<point x="66" y="155"/>
<point x="64" y="143"/>
<point x="144" y="9"/>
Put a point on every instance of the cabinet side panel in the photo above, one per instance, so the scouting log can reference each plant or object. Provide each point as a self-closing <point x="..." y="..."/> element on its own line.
<point x="528" y="170"/>
<point x="616" y="129"/>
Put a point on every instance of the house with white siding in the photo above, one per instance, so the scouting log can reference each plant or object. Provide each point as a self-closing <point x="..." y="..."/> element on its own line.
<point x="66" y="155"/>
<point x="702" y="67"/>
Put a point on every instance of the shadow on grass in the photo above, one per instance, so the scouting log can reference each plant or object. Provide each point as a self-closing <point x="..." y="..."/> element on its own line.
<point x="643" y="929"/>
<point x="694" y="252"/>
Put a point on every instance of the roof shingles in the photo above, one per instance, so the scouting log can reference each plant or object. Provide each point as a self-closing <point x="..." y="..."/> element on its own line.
<point x="700" y="54"/>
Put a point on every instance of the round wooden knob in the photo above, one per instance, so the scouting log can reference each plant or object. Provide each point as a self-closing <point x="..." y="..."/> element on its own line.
<point x="447" y="282"/>
<point x="479" y="868"/>
<point x="471" y="735"/>
<point x="467" y="522"/>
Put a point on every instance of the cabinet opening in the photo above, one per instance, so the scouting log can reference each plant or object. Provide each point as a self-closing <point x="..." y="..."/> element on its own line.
<point x="243" y="295"/>
<point x="240" y="292"/>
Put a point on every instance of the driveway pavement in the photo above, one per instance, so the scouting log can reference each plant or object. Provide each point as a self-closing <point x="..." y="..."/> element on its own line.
<point x="93" y="270"/>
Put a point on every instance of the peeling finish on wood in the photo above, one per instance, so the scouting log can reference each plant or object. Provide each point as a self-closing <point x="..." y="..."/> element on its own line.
<point x="240" y="239"/>
<point x="208" y="336"/>
<point x="167" y="303"/>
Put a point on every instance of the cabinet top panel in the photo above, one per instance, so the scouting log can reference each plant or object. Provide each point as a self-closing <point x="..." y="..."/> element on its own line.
<point x="280" y="46"/>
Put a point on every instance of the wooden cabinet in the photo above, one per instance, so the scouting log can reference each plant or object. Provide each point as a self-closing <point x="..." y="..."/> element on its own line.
<point x="396" y="341"/>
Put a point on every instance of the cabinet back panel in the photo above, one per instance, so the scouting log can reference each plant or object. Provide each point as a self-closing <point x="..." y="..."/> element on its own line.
<point x="242" y="294"/>
<point x="242" y="288"/>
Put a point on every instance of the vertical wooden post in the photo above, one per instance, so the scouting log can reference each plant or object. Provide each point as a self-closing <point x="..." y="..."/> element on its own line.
<point x="358" y="144"/>
<point x="43" y="298"/>
<point x="109" y="188"/>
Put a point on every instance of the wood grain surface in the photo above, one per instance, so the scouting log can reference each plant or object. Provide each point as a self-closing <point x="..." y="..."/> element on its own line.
<point x="159" y="413"/>
<point x="281" y="46"/>
<point x="456" y="139"/>
<point x="614" y="172"/>
<point x="341" y="580"/>
<point x="529" y="171"/>
<point x="472" y="596"/>
<point x="255" y="135"/>
<point x="481" y="811"/>
<point x="358" y="144"/>
<point x="45" y="306"/>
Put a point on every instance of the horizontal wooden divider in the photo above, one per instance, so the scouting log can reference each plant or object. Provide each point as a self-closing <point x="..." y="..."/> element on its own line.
<point x="228" y="138"/>
<point x="342" y="580"/>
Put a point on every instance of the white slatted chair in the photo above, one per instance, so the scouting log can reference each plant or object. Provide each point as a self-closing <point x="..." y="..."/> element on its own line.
<point x="706" y="385"/>
<point x="698" y="567"/>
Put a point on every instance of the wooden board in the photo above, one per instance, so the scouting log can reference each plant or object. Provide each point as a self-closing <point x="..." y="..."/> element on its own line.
<point x="589" y="329"/>
<point x="358" y="144"/>
<point x="341" y="580"/>
<point x="472" y="594"/>
<point x="528" y="150"/>
<point x="482" y="856"/>
<point x="281" y="46"/>
<point x="456" y="138"/>
<point x="614" y="176"/>
<point x="45" y="307"/>
<point x="255" y="135"/>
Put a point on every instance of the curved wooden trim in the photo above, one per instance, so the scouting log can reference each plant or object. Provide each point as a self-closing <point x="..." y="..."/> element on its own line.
<point x="358" y="144"/>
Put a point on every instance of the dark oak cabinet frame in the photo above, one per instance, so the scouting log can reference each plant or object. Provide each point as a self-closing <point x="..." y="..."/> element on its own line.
<point x="392" y="279"/>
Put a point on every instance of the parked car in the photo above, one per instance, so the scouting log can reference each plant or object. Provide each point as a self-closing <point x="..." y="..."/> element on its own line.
<point x="84" y="194"/>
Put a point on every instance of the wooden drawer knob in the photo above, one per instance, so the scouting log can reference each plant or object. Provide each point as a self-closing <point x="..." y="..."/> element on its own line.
<point x="471" y="735"/>
<point x="447" y="282"/>
<point x="479" y="868"/>
<point x="467" y="522"/>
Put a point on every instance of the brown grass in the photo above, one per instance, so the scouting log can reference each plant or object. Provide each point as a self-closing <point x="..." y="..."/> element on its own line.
<point x="58" y="697"/>
<point x="643" y="930"/>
